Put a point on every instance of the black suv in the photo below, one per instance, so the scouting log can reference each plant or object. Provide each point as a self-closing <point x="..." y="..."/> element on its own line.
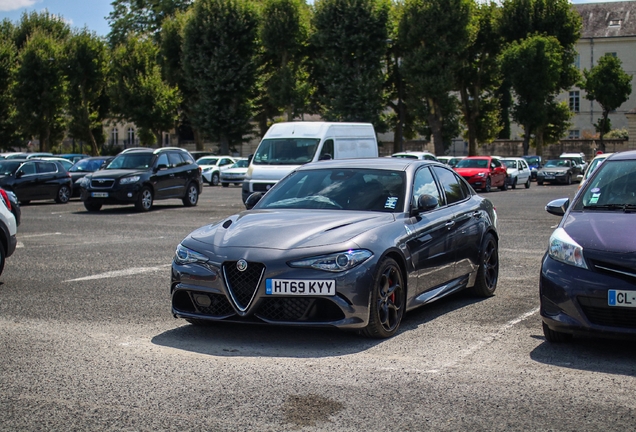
<point x="35" y="179"/>
<point x="141" y="175"/>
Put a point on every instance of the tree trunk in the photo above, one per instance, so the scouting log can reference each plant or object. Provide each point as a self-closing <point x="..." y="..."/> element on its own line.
<point x="224" y="144"/>
<point x="94" y="148"/>
<point x="526" y="139"/>
<point x="602" y="131"/>
<point x="470" y="116"/>
<point x="538" y="141"/>
<point x="158" y="138"/>
<point x="198" y="142"/>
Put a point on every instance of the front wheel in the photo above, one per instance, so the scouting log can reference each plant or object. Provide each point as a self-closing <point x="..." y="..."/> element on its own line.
<point x="92" y="207"/>
<point x="568" y="179"/>
<point x="63" y="195"/>
<point x="555" y="336"/>
<point x="388" y="301"/>
<point x="214" y="179"/>
<point x="144" y="201"/>
<point x="488" y="272"/>
<point x="225" y="184"/>
<point x="488" y="186"/>
<point x="191" y="197"/>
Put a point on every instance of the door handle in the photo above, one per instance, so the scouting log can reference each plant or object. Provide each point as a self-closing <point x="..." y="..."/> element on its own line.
<point x="450" y="224"/>
<point x="477" y="214"/>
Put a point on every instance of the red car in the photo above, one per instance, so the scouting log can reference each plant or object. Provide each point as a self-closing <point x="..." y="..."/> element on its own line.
<point x="483" y="172"/>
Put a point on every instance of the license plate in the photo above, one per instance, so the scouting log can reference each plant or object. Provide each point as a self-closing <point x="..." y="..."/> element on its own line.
<point x="549" y="177"/>
<point x="621" y="298"/>
<point x="304" y="287"/>
<point x="99" y="194"/>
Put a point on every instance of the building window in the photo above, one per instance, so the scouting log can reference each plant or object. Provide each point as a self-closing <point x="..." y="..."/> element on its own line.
<point x="114" y="136"/>
<point x="575" y="101"/>
<point x="577" y="61"/>
<point x="131" y="137"/>
<point x="613" y="54"/>
<point x="615" y="23"/>
<point x="574" y="134"/>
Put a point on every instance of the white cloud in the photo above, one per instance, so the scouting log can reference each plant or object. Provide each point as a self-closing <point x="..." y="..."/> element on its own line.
<point x="9" y="5"/>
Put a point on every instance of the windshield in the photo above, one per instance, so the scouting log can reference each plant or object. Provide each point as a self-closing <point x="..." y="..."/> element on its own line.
<point x="87" y="165"/>
<point x="346" y="189"/>
<point x="131" y="161"/>
<point x="593" y="165"/>
<point x="472" y="163"/>
<point x="207" y="161"/>
<point x="557" y="163"/>
<point x="510" y="163"/>
<point x="243" y="163"/>
<point x="533" y="160"/>
<point x="285" y="151"/>
<point x="8" y="167"/>
<point x="613" y="187"/>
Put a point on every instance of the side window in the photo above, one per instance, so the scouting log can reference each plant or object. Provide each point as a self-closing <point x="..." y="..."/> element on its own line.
<point x="163" y="160"/>
<point x="424" y="184"/>
<point x="495" y="163"/>
<point x="327" y="150"/>
<point x="451" y="185"/>
<point x="225" y="161"/>
<point x="187" y="157"/>
<point x="28" y="168"/>
<point x="46" y="167"/>
<point x="175" y="160"/>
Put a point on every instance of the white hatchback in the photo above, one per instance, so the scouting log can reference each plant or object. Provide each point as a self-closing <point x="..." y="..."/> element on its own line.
<point x="211" y="167"/>
<point x="518" y="172"/>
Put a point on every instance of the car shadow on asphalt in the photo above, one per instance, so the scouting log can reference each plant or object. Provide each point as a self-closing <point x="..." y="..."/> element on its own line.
<point x="252" y="340"/>
<point x="125" y="210"/>
<point x="611" y="356"/>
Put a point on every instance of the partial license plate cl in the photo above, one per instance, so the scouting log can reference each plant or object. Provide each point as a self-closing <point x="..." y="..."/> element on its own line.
<point x="99" y="194"/>
<point x="300" y="287"/>
<point x="621" y="298"/>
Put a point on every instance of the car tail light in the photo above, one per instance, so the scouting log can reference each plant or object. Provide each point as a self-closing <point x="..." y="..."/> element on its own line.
<point x="5" y="198"/>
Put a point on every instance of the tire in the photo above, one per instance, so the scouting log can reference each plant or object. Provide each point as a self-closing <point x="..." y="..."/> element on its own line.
<point x="2" y="258"/>
<point x="488" y="186"/>
<point x="568" y="180"/>
<point x="540" y="183"/>
<point x="225" y="184"/>
<point x="527" y="184"/>
<point x="555" y="336"/>
<point x="191" y="197"/>
<point x="488" y="273"/>
<point x="92" y="206"/>
<point x="504" y="186"/>
<point x="388" y="301"/>
<point x="144" y="200"/>
<point x="514" y="183"/>
<point x="63" y="195"/>
<point x="214" y="180"/>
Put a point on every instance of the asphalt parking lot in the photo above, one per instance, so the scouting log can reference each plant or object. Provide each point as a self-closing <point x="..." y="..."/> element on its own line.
<point x="88" y="342"/>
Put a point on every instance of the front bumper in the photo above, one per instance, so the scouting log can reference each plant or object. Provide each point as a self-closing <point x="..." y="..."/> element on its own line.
<point x="126" y="194"/>
<point x="575" y="300"/>
<point x="555" y="178"/>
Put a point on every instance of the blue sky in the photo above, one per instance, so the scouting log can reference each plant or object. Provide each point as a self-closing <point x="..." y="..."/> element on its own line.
<point x="80" y="13"/>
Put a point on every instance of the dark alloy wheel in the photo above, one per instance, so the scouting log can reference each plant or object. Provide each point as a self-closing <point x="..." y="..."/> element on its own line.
<point x="488" y="186"/>
<point x="388" y="301"/>
<point x="488" y="273"/>
<point x="92" y="206"/>
<point x="63" y="195"/>
<point x="555" y="336"/>
<point x="144" y="201"/>
<point x="192" y="195"/>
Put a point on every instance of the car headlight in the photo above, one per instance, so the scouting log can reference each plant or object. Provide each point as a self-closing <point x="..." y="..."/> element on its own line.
<point x="129" y="180"/>
<point x="83" y="182"/>
<point x="564" y="249"/>
<point x="183" y="255"/>
<point x="481" y="174"/>
<point x="336" y="262"/>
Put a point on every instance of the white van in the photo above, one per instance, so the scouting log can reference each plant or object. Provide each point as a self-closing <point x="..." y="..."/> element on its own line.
<point x="286" y="146"/>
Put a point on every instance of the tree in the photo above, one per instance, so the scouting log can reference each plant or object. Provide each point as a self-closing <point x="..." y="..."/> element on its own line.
<point x="43" y="22"/>
<point x="434" y="36"/>
<point x="40" y="89"/>
<point x="220" y="42"/>
<point x="348" y="50"/>
<point x="479" y="78"/>
<point x="8" y="128"/>
<point x="141" y="17"/>
<point x="284" y="33"/>
<point x="86" y="61"/>
<point x="534" y="69"/>
<point x="137" y="90"/>
<point x="609" y="85"/>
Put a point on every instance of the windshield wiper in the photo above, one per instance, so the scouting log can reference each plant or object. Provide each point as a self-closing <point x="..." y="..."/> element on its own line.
<point x="625" y="207"/>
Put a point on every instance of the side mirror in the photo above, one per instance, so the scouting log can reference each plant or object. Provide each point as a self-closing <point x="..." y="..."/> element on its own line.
<point x="161" y="166"/>
<point x="558" y="207"/>
<point x="425" y="203"/>
<point x="253" y="199"/>
<point x="325" y="156"/>
<point x="249" y="158"/>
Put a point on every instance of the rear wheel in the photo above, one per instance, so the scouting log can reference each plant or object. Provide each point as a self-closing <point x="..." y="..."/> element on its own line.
<point x="528" y="183"/>
<point x="63" y="195"/>
<point x="488" y="272"/>
<point x="388" y="301"/>
<point x="555" y="336"/>
<point x="92" y="206"/>
<point x="540" y="183"/>
<point x="144" y="201"/>
<point x="225" y="184"/>
<point x="514" y="183"/>
<point x="504" y="186"/>
<point x="191" y="197"/>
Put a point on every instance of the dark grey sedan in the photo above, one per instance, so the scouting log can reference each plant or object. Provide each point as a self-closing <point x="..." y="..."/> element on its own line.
<point x="352" y="244"/>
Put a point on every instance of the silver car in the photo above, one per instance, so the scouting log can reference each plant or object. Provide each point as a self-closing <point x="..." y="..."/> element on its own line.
<point x="352" y="244"/>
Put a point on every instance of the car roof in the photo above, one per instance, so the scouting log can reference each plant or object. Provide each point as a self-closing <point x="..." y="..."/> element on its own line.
<point x="394" y="164"/>
<point x="626" y="155"/>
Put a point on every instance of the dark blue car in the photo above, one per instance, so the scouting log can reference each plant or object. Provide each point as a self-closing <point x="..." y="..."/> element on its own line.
<point x="534" y="162"/>
<point x="588" y="275"/>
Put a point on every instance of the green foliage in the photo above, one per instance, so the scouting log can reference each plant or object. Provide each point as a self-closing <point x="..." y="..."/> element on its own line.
<point x="41" y="22"/>
<point x="86" y="65"/>
<point x="559" y="116"/>
<point x="138" y="92"/>
<point x="622" y="134"/>
<point x="8" y="128"/>
<point x="218" y="56"/>
<point x="141" y="17"/>
<point x="40" y="89"/>
<point x="348" y="49"/>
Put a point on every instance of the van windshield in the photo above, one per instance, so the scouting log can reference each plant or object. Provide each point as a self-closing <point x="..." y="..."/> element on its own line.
<point x="285" y="151"/>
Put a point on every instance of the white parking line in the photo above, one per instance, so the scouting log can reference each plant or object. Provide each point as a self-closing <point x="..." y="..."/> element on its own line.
<point x="118" y="273"/>
<point x="39" y="235"/>
<point x="486" y="340"/>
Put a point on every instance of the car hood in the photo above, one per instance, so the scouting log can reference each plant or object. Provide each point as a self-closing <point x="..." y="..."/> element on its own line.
<point x="290" y="229"/>
<point x="602" y="230"/>
<point x="512" y="171"/>
<point x="116" y="173"/>
<point x="554" y="170"/>
<point x="235" y="171"/>
<point x="470" y="171"/>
